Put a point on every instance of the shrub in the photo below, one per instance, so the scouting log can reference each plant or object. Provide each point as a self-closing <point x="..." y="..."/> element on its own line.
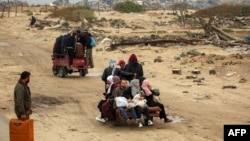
<point x="224" y="11"/>
<point x="228" y="30"/>
<point x="245" y="10"/>
<point x="28" y="12"/>
<point x="75" y="13"/>
<point x="65" y="24"/>
<point x="103" y="19"/>
<point x="127" y="7"/>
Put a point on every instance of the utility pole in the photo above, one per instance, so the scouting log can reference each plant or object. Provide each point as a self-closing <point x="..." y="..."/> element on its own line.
<point x="22" y="7"/>
<point x="99" y="7"/>
<point x="8" y="8"/>
<point x="4" y="5"/>
<point x="16" y="7"/>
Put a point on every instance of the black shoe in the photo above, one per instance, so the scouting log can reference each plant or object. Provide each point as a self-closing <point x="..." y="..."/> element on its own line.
<point x="166" y="120"/>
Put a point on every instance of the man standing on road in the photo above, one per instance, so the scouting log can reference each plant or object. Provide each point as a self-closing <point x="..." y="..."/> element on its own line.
<point x="22" y="97"/>
<point x="70" y="46"/>
<point x="32" y="21"/>
<point x="84" y="39"/>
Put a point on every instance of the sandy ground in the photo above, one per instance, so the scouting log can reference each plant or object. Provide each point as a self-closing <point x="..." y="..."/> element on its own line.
<point x="65" y="108"/>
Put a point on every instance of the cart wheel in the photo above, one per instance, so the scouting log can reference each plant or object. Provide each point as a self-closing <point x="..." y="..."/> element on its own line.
<point x="82" y="72"/>
<point x="54" y="70"/>
<point x="62" y="72"/>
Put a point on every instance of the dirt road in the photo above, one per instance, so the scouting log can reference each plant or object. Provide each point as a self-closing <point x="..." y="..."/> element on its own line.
<point x="65" y="108"/>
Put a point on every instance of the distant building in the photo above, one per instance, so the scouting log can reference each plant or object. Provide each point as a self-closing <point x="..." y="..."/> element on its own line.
<point x="140" y="2"/>
<point x="61" y="2"/>
<point x="153" y="3"/>
<point x="90" y="3"/>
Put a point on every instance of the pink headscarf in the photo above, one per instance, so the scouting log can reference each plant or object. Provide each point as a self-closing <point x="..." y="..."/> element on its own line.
<point x="145" y="87"/>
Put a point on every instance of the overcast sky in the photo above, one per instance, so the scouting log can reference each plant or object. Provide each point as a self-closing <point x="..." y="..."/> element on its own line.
<point x="47" y="1"/>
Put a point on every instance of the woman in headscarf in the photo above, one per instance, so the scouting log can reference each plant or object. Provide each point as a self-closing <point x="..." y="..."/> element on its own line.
<point x="134" y="67"/>
<point x="108" y="86"/>
<point x="147" y="88"/>
<point x="105" y="106"/>
<point x="129" y="93"/>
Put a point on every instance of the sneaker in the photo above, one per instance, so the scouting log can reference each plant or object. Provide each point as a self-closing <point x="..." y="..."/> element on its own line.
<point x="100" y="119"/>
<point x="140" y="125"/>
<point x="150" y="122"/>
<point x="138" y="120"/>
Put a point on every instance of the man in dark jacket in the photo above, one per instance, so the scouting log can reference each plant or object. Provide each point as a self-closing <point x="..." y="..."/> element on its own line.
<point x="22" y="97"/>
<point x="32" y="21"/>
<point x="70" y="46"/>
<point x="123" y="74"/>
<point x="134" y="67"/>
<point x="112" y="70"/>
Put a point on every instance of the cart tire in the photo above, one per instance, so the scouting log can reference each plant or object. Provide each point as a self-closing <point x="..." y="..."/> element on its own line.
<point x="54" y="71"/>
<point x="82" y="72"/>
<point x="62" y="72"/>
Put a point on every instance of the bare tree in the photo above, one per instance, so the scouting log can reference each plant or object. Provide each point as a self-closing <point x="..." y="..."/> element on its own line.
<point x="3" y="8"/>
<point x="182" y="7"/>
<point x="16" y="5"/>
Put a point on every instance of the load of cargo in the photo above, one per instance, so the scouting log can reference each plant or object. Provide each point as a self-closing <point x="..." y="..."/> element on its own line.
<point x="71" y="53"/>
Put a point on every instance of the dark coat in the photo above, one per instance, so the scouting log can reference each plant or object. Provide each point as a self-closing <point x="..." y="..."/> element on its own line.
<point x="128" y="93"/>
<point x="139" y="110"/>
<point x="123" y="74"/>
<point x="107" y="72"/>
<point x="33" y="21"/>
<point x="22" y="98"/>
<point x="84" y="39"/>
<point x="71" y="41"/>
<point x="134" y="67"/>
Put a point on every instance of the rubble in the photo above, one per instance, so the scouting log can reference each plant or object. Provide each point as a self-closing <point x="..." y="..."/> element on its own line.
<point x="229" y="86"/>
<point x="219" y="37"/>
<point x="192" y="53"/>
<point x="191" y="77"/>
<point x="176" y="71"/>
<point x="196" y="71"/>
<point x="152" y="42"/>
<point x="230" y="74"/>
<point x="118" y="23"/>
<point x="231" y="63"/>
<point x="197" y="80"/>
<point x="242" y="80"/>
<point x="158" y="59"/>
<point x="212" y="72"/>
<point x="212" y="33"/>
